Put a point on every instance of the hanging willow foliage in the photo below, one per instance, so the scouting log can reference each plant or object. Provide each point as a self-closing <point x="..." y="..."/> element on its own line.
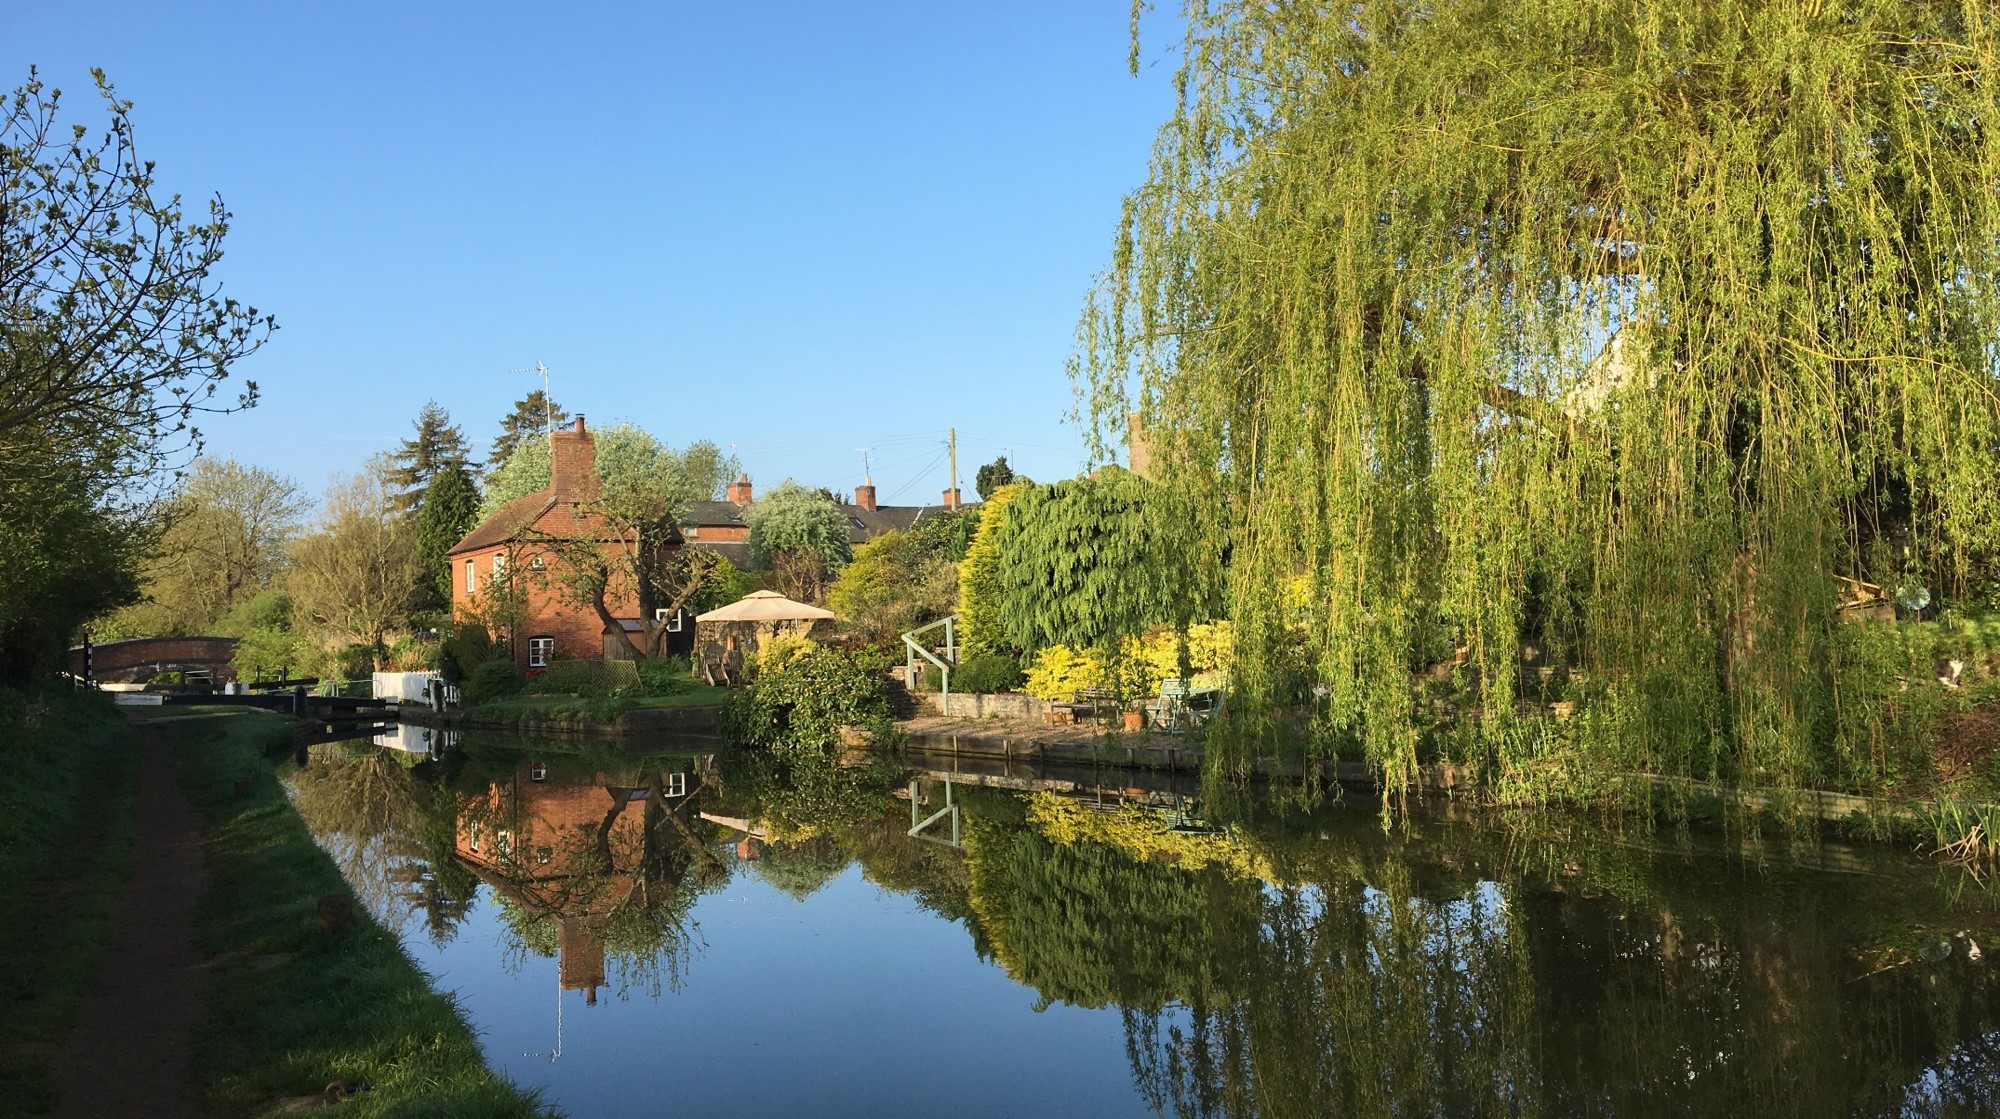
<point x="1614" y="327"/>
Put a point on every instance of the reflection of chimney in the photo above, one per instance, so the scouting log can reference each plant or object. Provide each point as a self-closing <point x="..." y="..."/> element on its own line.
<point x="1141" y="447"/>
<point x="951" y="498"/>
<point x="581" y="965"/>
<point x="746" y="850"/>
<point x="572" y="460"/>
<point x="739" y="491"/>
<point x="864" y="495"/>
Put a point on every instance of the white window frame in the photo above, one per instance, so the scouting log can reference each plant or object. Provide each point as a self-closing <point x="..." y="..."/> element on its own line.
<point x="471" y="577"/>
<point x="499" y="565"/>
<point x="544" y="648"/>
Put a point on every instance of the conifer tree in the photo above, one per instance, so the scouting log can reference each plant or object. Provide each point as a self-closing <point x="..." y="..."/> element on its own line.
<point x="532" y="417"/>
<point x="450" y="509"/>
<point x="437" y="445"/>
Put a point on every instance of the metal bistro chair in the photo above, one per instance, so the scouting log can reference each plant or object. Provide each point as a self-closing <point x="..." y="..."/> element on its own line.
<point x="1181" y="707"/>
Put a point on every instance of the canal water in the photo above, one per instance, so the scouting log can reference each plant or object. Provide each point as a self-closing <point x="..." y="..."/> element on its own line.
<point x="694" y="932"/>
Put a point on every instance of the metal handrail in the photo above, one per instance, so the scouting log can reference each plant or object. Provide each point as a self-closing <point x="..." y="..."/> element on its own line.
<point x="913" y="650"/>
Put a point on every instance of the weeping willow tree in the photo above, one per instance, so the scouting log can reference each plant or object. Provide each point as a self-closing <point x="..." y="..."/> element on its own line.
<point x="1615" y="327"/>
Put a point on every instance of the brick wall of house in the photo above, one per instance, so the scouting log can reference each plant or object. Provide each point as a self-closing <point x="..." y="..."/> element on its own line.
<point x="578" y="633"/>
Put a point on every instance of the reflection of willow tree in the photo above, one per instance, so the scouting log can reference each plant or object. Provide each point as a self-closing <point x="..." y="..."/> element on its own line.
<point x="1378" y="976"/>
<point x="1086" y="924"/>
<point x="627" y="880"/>
<point x="803" y="791"/>
<point x="822" y="814"/>
<point x="369" y="813"/>
<point x="801" y="868"/>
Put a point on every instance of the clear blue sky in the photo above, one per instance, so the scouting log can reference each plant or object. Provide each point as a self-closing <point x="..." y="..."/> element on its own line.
<point x="799" y="228"/>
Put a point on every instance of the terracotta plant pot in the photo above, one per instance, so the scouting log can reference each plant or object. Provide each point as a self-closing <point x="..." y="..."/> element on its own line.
<point x="1135" y="721"/>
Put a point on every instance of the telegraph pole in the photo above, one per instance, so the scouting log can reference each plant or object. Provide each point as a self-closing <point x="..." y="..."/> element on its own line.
<point x="954" y="467"/>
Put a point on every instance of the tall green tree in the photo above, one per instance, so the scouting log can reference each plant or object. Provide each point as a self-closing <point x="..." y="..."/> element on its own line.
<point x="353" y="578"/>
<point x="994" y="475"/>
<point x="709" y="470"/>
<point x="115" y="339"/>
<point x="449" y="511"/>
<point x="438" y="445"/>
<point x="114" y="336"/>
<point x="799" y="535"/>
<point x="1615" y="326"/>
<point x="1088" y="561"/>
<point x="531" y="419"/>
<point x="223" y="540"/>
<point x="982" y="628"/>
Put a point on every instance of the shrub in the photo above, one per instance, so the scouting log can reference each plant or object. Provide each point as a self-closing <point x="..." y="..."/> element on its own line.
<point x="491" y="680"/>
<point x="778" y="652"/>
<point x="808" y="701"/>
<point x="355" y="661"/>
<point x="581" y="677"/>
<point x="267" y="652"/>
<point x="991" y="673"/>
<point x="663" y="675"/>
<point x="470" y="645"/>
<point x="411" y="653"/>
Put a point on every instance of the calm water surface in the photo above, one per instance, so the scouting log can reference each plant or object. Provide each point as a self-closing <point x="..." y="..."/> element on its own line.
<point x="685" y="932"/>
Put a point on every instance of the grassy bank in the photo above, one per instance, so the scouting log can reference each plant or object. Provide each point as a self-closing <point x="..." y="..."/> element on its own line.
<point x="68" y="794"/>
<point x="292" y="1009"/>
<point x="588" y="708"/>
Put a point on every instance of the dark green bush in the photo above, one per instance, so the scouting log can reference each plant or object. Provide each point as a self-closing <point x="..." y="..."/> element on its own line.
<point x="491" y="680"/>
<point x="469" y="646"/>
<point x="994" y="672"/>
<point x="664" y="675"/>
<point x="355" y="662"/>
<point x="806" y="702"/>
<point x="581" y="677"/>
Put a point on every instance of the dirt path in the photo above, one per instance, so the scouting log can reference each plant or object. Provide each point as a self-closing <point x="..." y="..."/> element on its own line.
<point x="130" y="1052"/>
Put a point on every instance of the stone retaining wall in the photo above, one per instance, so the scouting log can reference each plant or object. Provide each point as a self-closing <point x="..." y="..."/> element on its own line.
<point x="966" y="705"/>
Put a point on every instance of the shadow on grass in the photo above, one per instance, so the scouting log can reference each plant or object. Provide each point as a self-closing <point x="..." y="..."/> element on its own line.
<point x="292" y="1009"/>
<point x="68" y="796"/>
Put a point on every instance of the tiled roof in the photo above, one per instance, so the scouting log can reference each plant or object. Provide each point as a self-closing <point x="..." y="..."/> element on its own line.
<point x="715" y="513"/>
<point x="507" y="522"/>
<point x="735" y="551"/>
<point x="862" y="524"/>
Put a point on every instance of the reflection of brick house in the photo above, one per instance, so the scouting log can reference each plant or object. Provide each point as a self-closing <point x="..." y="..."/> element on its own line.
<point x="570" y="851"/>
<point x="501" y="552"/>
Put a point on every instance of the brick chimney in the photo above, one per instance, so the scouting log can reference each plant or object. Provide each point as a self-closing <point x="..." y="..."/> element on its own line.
<point x="572" y="460"/>
<point x="739" y="491"/>
<point x="864" y="495"/>
<point x="1141" y="448"/>
<point x="951" y="498"/>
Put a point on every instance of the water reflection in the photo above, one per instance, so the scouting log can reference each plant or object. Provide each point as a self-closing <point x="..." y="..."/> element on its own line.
<point x="1292" y="965"/>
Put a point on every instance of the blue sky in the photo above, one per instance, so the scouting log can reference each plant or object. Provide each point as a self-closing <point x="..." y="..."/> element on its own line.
<point x="798" y="228"/>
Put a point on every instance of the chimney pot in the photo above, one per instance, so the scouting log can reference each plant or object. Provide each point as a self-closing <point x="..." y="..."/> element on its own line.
<point x="579" y="423"/>
<point x="740" y="492"/>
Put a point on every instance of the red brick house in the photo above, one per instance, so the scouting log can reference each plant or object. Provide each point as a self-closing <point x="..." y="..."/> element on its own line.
<point x="721" y="527"/>
<point x="501" y="552"/>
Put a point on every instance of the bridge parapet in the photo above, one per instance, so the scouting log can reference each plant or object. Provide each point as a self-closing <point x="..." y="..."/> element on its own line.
<point x="122" y="660"/>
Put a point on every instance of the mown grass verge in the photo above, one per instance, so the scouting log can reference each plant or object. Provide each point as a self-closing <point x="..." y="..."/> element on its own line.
<point x="290" y="1008"/>
<point x="68" y="813"/>
<point x="591" y="708"/>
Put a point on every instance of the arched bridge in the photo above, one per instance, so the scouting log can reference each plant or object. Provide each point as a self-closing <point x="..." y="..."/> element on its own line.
<point x="121" y="661"/>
